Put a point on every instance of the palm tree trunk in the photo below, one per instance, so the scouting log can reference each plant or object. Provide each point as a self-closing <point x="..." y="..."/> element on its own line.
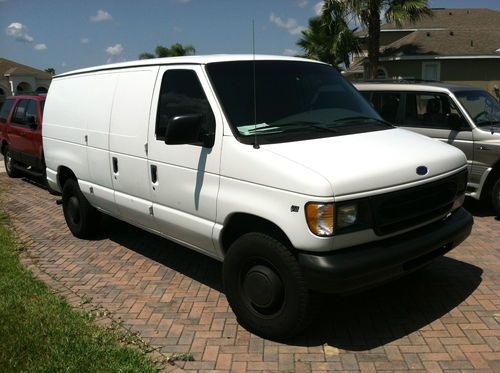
<point x="373" y="36"/>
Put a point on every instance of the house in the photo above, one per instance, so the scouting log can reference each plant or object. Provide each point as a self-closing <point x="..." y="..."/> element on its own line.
<point x="454" y="45"/>
<point x="16" y="78"/>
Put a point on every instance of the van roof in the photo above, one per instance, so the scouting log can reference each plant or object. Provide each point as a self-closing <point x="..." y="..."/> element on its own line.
<point x="189" y="60"/>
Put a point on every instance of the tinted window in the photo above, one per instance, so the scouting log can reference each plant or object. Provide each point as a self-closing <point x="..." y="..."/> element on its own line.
<point x="20" y="112"/>
<point x="4" y="113"/>
<point x="31" y="112"/>
<point x="294" y="101"/>
<point x="430" y="110"/>
<point x="181" y="93"/>
<point x="387" y="104"/>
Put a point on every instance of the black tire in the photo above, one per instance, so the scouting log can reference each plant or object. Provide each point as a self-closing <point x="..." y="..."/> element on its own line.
<point x="10" y="164"/>
<point x="495" y="197"/>
<point x="257" y="262"/>
<point x="82" y="219"/>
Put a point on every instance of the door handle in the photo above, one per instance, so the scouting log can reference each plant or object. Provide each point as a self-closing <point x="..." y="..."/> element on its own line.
<point x="115" y="165"/>
<point x="154" y="174"/>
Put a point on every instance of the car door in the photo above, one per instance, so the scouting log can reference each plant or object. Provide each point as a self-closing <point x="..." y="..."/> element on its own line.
<point x="128" y="144"/>
<point x="33" y="135"/>
<point x="19" y="133"/>
<point x="436" y="115"/>
<point x="184" y="178"/>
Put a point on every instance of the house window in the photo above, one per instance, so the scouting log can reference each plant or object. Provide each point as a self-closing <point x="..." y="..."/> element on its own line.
<point x="431" y="71"/>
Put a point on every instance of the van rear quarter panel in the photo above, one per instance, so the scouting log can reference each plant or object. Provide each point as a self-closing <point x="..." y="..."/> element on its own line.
<point x="64" y="127"/>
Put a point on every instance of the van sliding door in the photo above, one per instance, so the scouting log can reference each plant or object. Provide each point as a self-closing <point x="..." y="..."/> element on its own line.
<point x="127" y="144"/>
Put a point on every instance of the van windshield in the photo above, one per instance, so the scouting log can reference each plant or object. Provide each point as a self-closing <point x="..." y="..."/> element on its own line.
<point x="294" y="101"/>
<point x="481" y="106"/>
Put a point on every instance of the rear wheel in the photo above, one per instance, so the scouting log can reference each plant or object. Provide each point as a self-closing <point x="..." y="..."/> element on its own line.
<point x="10" y="164"/>
<point x="495" y="197"/>
<point x="82" y="219"/>
<point x="265" y="287"/>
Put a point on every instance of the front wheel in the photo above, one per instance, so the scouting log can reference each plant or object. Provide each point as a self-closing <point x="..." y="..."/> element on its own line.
<point x="10" y="164"/>
<point x="265" y="287"/>
<point x="82" y="219"/>
<point x="495" y="197"/>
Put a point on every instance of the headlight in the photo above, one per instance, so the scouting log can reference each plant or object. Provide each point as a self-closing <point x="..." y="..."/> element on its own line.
<point x="347" y="215"/>
<point x="320" y="218"/>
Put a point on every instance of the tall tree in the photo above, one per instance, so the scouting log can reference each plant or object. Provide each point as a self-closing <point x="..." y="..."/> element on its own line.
<point x="50" y="70"/>
<point x="175" y="50"/>
<point x="329" y="40"/>
<point x="368" y="13"/>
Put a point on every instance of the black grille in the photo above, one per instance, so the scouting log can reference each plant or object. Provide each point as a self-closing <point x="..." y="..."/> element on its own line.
<point x="403" y="209"/>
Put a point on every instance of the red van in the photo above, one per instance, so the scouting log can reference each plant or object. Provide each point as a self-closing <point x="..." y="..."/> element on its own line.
<point x="21" y="135"/>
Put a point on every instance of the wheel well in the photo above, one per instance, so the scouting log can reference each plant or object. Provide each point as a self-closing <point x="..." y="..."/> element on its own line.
<point x="64" y="174"/>
<point x="4" y="145"/>
<point x="490" y="180"/>
<point x="241" y="223"/>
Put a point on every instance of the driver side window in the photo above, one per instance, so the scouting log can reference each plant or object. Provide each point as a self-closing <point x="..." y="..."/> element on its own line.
<point x="181" y="93"/>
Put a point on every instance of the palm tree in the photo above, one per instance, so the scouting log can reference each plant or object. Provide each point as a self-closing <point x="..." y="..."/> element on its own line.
<point x="176" y="49"/>
<point x="329" y="40"/>
<point x="368" y="13"/>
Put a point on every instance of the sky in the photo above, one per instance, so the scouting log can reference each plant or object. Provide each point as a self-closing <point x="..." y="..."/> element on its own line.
<point x="71" y="34"/>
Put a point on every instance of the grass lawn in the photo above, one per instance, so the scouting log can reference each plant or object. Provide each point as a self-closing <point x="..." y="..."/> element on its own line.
<point x="39" y="332"/>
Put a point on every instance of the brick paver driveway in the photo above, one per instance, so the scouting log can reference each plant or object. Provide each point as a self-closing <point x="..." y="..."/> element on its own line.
<point x="445" y="317"/>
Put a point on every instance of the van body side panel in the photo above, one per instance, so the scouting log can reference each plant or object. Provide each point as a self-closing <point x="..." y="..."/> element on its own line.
<point x="64" y="128"/>
<point x="185" y="192"/>
<point x="127" y="140"/>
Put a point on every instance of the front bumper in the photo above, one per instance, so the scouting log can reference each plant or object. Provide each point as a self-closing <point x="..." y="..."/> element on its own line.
<point x="369" y="264"/>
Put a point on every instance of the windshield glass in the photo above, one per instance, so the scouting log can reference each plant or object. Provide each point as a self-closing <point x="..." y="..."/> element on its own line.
<point x="294" y="101"/>
<point x="481" y="106"/>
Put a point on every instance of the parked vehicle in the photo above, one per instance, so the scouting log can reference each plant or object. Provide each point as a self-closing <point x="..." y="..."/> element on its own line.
<point x="307" y="190"/>
<point x="463" y="116"/>
<point x="21" y="135"/>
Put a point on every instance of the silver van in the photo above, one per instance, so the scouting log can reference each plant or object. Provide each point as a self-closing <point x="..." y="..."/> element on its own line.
<point x="464" y="116"/>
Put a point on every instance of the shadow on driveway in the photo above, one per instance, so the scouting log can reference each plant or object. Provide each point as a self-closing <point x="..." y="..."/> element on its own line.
<point x="356" y="322"/>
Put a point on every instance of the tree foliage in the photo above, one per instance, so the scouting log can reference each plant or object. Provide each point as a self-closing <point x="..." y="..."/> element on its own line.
<point x="175" y="50"/>
<point x="329" y="37"/>
<point x="368" y="13"/>
<point x="50" y="70"/>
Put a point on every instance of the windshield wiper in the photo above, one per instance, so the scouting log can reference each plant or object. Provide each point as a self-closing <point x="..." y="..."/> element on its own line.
<point x="362" y="117"/>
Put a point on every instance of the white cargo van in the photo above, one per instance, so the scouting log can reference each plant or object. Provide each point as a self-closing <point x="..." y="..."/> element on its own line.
<point x="276" y="166"/>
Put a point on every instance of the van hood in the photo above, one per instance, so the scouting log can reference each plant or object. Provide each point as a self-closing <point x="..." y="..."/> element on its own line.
<point x="373" y="160"/>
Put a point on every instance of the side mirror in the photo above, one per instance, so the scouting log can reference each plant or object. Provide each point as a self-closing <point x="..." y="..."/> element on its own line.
<point x="187" y="129"/>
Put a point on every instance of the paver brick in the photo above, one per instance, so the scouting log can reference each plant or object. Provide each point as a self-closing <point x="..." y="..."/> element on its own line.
<point x="444" y="318"/>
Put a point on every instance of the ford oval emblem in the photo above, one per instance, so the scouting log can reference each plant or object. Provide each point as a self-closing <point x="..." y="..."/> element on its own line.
<point x="422" y="170"/>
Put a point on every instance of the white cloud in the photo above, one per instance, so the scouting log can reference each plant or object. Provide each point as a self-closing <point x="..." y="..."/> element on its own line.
<point x="302" y="3"/>
<point x="290" y="52"/>
<point x="101" y="16"/>
<point x="317" y="8"/>
<point x="289" y="24"/>
<point x="40" y="47"/>
<point x="84" y="40"/>
<point x="19" y="32"/>
<point x="183" y="1"/>
<point x="63" y="64"/>
<point x="177" y="29"/>
<point x="115" y="50"/>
